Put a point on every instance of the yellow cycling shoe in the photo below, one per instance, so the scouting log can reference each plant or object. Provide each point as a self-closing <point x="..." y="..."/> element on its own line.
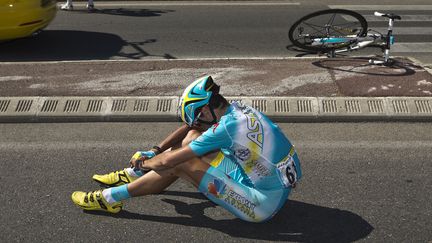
<point x="95" y="201"/>
<point x="116" y="178"/>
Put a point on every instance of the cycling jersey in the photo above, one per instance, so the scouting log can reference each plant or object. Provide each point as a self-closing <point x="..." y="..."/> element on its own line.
<point x="257" y="163"/>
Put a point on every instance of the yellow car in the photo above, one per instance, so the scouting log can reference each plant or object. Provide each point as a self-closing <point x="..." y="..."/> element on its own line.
<point x="21" y="18"/>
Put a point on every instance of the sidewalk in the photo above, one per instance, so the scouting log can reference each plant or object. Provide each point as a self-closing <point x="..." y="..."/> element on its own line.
<point x="287" y="89"/>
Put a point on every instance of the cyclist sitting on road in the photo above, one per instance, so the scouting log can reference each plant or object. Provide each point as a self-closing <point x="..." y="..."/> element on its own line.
<point x="232" y="153"/>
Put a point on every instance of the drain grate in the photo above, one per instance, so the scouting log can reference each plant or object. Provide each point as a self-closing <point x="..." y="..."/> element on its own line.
<point x="72" y="106"/>
<point x="423" y="106"/>
<point x="4" y="104"/>
<point x="282" y="106"/>
<point x="141" y="105"/>
<point x="24" y="106"/>
<point x="329" y="106"/>
<point x="400" y="106"/>
<point x="162" y="108"/>
<point x="352" y="106"/>
<point x="94" y="106"/>
<point x="260" y="105"/>
<point x="163" y="105"/>
<point x="49" y="106"/>
<point x="119" y="105"/>
<point x="376" y="106"/>
<point x="304" y="106"/>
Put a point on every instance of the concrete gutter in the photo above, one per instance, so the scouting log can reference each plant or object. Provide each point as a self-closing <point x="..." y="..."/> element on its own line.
<point x="164" y="109"/>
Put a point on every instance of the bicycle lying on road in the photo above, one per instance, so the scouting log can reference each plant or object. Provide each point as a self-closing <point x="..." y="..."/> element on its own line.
<point x="339" y="30"/>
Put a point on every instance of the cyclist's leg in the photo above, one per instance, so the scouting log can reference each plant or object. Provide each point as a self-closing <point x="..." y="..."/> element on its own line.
<point x="226" y="184"/>
<point x="155" y="182"/>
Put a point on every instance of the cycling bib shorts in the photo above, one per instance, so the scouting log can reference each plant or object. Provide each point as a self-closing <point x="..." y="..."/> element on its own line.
<point x="256" y="168"/>
<point x="226" y="184"/>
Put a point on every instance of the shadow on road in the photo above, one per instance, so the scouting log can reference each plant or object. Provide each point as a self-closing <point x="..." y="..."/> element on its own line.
<point x="131" y="12"/>
<point x="302" y="52"/>
<point x="297" y="221"/>
<point x="360" y="65"/>
<point x="61" y="45"/>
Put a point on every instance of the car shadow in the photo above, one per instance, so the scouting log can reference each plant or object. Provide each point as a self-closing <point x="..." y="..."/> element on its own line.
<point x="296" y="221"/>
<point x="130" y="12"/>
<point x="66" y="45"/>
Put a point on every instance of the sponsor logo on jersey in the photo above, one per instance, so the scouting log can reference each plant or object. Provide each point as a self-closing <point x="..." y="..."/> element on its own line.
<point x="255" y="133"/>
<point x="217" y="188"/>
<point x="241" y="203"/>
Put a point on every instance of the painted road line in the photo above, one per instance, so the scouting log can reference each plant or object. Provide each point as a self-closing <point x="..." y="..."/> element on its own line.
<point x="396" y="145"/>
<point x="310" y="144"/>
<point x="383" y="7"/>
<point x="425" y="47"/>
<point x="405" y="30"/>
<point x="405" y="18"/>
<point x="138" y="4"/>
<point x="165" y="60"/>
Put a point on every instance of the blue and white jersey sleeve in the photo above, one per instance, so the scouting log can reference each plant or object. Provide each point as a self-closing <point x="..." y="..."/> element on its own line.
<point x="216" y="137"/>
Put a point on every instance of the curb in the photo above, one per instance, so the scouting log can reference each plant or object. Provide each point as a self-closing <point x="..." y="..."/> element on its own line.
<point x="164" y="109"/>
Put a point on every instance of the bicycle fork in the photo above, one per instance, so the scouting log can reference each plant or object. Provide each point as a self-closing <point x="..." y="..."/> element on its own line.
<point x="388" y="42"/>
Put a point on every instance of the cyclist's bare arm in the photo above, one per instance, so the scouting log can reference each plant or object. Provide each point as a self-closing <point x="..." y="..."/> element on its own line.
<point x="169" y="159"/>
<point x="176" y="137"/>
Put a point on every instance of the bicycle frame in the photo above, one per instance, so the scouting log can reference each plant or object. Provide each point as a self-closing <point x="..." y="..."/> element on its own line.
<point x="360" y="42"/>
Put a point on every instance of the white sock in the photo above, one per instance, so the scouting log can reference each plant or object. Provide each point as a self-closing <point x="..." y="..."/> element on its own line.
<point x="134" y="173"/>
<point x="107" y="195"/>
<point x="116" y="194"/>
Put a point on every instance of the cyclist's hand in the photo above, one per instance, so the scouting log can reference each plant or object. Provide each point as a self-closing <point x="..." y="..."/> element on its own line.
<point x="140" y="157"/>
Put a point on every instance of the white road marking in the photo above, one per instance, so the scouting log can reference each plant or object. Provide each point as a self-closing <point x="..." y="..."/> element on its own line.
<point x="383" y="7"/>
<point x="425" y="47"/>
<point x="163" y="59"/>
<point x="405" y="18"/>
<point x="405" y="30"/>
<point x="14" y="78"/>
<point x="61" y="145"/>
<point x="169" y="3"/>
<point x="365" y="144"/>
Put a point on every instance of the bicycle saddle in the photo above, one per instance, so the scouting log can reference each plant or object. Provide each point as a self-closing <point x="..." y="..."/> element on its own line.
<point x="390" y="16"/>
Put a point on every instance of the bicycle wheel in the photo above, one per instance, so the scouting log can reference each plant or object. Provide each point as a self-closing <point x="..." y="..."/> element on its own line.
<point x="333" y="24"/>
